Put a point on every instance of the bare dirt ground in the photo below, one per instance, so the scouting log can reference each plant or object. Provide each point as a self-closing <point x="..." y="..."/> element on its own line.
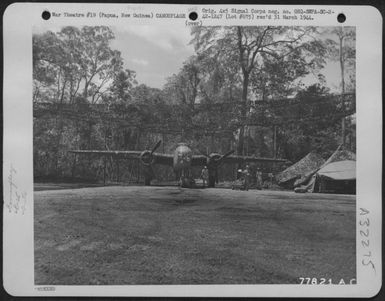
<point x="168" y="235"/>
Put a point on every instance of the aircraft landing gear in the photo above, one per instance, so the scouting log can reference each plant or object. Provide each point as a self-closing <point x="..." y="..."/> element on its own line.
<point x="186" y="182"/>
<point x="211" y="183"/>
<point x="148" y="175"/>
<point x="147" y="181"/>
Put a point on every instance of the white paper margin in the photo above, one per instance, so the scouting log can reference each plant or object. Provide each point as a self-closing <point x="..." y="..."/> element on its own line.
<point x="18" y="259"/>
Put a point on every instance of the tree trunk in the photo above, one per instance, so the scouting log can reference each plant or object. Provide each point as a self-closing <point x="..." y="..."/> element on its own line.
<point x="85" y="91"/>
<point x="343" y="123"/>
<point x="73" y="166"/>
<point x="241" y="140"/>
<point x="104" y="171"/>
<point x="89" y="134"/>
<point x="261" y="142"/>
<point x="275" y="142"/>
<point x="60" y="128"/>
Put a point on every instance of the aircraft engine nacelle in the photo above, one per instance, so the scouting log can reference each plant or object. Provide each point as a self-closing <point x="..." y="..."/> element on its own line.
<point x="146" y="158"/>
<point x="213" y="160"/>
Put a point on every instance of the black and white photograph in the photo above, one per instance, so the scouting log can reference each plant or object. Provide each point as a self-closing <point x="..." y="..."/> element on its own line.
<point x="211" y="155"/>
<point x="192" y="151"/>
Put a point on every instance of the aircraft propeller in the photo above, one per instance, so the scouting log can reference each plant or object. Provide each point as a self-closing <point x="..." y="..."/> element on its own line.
<point x="214" y="160"/>
<point x="156" y="146"/>
<point x="230" y="152"/>
<point x="146" y="157"/>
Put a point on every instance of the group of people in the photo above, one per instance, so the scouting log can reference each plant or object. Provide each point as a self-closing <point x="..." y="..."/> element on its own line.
<point x="244" y="175"/>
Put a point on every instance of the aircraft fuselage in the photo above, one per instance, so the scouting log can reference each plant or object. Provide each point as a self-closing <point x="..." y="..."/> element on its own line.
<point x="182" y="157"/>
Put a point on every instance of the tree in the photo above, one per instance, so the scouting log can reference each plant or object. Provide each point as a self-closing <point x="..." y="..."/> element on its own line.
<point x="250" y="47"/>
<point x="199" y="95"/>
<point x="316" y="124"/>
<point x="123" y="82"/>
<point x="75" y="58"/>
<point x="73" y="67"/>
<point x="183" y="89"/>
<point x="275" y="79"/>
<point x="343" y="50"/>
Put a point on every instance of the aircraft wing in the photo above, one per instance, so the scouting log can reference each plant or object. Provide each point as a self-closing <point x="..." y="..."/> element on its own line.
<point x="243" y="159"/>
<point x="198" y="160"/>
<point x="126" y="154"/>
<point x="165" y="159"/>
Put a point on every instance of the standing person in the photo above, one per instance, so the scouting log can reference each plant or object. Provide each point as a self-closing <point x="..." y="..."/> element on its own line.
<point x="259" y="179"/>
<point x="239" y="174"/>
<point x="205" y="175"/>
<point x="246" y="174"/>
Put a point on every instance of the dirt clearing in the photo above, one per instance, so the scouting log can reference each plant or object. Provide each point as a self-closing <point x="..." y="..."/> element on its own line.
<point x="167" y="235"/>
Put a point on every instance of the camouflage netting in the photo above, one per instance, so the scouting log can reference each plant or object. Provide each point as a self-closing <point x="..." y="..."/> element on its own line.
<point x="311" y="162"/>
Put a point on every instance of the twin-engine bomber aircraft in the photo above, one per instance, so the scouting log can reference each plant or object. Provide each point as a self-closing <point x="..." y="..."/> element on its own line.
<point x="181" y="160"/>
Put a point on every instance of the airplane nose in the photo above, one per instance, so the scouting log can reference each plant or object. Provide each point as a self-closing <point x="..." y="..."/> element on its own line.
<point x="183" y="158"/>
